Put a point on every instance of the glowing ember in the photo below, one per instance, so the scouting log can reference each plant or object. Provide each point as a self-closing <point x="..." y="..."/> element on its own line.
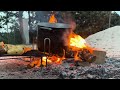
<point x="37" y="61"/>
<point x="52" y="19"/>
<point x="44" y="60"/>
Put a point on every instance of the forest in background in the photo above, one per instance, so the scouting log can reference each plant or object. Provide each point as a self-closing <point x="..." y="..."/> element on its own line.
<point x="87" y="22"/>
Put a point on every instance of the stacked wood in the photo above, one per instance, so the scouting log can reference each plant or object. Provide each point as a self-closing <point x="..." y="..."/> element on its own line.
<point x="83" y="55"/>
<point x="100" y="56"/>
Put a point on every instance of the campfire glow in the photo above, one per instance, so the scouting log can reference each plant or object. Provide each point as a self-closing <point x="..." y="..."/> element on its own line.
<point x="50" y="60"/>
<point x="44" y="60"/>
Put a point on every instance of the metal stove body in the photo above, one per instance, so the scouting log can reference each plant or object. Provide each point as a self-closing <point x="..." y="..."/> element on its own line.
<point x="49" y="37"/>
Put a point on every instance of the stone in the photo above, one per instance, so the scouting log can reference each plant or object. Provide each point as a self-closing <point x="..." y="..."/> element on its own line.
<point x="63" y="75"/>
<point x="72" y="76"/>
<point x="90" y="76"/>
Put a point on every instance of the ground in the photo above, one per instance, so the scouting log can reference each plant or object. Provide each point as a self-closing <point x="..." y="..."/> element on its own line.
<point x="17" y="69"/>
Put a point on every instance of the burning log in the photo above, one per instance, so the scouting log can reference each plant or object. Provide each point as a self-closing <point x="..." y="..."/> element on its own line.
<point x="87" y="56"/>
<point x="2" y="51"/>
<point x="83" y="55"/>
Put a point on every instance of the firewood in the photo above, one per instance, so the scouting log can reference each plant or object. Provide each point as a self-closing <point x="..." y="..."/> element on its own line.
<point x="81" y="55"/>
<point x="1" y="44"/>
<point x="15" y="50"/>
<point x="87" y="56"/>
<point x="2" y="48"/>
<point x="69" y="54"/>
<point x="2" y="51"/>
<point x="26" y="49"/>
<point x="100" y="56"/>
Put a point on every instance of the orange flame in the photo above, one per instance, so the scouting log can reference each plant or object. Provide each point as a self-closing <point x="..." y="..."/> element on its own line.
<point x="77" y="41"/>
<point x="53" y="59"/>
<point x="52" y="19"/>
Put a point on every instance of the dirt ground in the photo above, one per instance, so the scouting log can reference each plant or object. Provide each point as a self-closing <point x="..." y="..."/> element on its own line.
<point x="17" y="69"/>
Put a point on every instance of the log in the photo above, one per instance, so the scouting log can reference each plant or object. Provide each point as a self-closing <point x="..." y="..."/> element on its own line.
<point x="17" y="49"/>
<point x="1" y="44"/>
<point x="87" y="56"/>
<point x="2" y="50"/>
<point x="69" y="54"/>
<point x="100" y="56"/>
<point x="81" y="55"/>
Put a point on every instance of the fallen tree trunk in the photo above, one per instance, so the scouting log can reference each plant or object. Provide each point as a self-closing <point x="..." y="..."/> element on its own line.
<point x="2" y="50"/>
<point x="14" y="49"/>
<point x="1" y="44"/>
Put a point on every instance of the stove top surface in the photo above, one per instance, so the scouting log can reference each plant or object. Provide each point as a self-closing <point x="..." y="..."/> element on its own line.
<point x="54" y="25"/>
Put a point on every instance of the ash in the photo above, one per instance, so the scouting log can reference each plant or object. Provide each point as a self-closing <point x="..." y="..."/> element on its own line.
<point x="109" y="70"/>
<point x="17" y="69"/>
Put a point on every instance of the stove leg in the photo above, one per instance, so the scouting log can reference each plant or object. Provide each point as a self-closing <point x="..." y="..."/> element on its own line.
<point x="45" y="44"/>
<point x="46" y="62"/>
<point x="41" y="63"/>
<point x="30" y="58"/>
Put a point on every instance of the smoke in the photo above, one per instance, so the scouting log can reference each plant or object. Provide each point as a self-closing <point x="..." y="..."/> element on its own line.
<point x="69" y="20"/>
<point x="62" y="17"/>
<point x="41" y="16"/>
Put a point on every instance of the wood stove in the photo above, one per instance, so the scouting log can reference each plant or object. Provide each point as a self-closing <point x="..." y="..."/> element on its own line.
<point x="49" y="37"/>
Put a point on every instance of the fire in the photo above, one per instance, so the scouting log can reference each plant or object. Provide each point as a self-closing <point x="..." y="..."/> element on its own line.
<point x="77" y="41"/>
<point x="76" y="44"/>
<point x="52" y="19"/>
<point x="52" y="59"/>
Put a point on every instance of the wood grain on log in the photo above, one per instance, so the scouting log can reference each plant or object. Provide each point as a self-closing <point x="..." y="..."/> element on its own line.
<point x="100" y="56"/>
